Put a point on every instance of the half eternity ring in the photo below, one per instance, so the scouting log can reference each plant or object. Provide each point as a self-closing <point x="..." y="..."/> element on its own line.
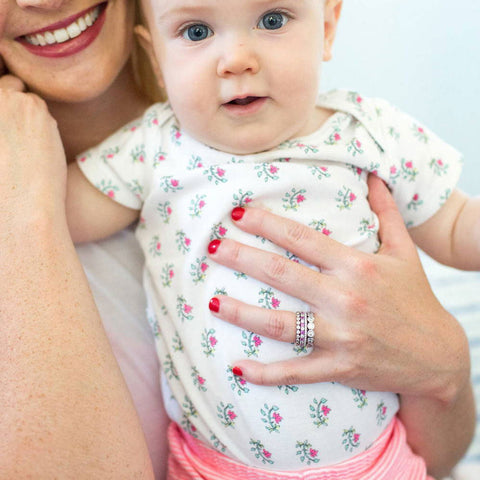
<point x="305" y="334"/>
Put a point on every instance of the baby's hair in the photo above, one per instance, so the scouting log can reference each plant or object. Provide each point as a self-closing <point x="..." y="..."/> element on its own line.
<point x="144" y="76"/>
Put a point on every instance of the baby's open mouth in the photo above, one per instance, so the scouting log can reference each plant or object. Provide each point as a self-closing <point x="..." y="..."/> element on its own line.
<point x="243" y="101"/>
<point x="73" y="30"/>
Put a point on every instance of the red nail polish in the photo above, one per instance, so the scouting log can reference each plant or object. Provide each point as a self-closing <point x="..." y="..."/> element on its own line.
<point x="213" y="246"/>
<point x="237" y="371"/>
<point x="237" y="213"/>
<point x="214" y="304"/>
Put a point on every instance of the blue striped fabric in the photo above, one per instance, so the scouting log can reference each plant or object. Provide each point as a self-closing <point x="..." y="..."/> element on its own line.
<point x="459" y="293"/>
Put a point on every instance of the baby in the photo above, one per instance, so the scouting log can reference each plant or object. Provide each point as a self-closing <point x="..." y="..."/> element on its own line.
<point x="244" y="122"/>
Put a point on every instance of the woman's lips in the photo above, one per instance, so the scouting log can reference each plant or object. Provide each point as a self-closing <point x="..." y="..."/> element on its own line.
<point x="67" y="37"/>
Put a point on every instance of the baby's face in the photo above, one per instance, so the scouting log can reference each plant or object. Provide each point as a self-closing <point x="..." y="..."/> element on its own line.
<point x="242" y="75"/>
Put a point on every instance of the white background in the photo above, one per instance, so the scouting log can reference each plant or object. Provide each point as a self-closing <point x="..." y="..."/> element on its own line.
<point x="424" y="57"/>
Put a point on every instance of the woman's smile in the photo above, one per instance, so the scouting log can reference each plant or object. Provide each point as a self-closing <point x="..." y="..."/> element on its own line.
<point x="68" y="36"/>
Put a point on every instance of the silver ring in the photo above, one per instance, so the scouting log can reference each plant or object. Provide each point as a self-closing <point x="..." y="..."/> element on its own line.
<point x="305" y="329"/>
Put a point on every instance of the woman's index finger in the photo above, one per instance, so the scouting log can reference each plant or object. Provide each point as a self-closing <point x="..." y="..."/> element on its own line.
<point x="312" y="246"/>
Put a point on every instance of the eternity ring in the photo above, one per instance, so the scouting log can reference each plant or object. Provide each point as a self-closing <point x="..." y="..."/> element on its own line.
<point x="305" y="333"/>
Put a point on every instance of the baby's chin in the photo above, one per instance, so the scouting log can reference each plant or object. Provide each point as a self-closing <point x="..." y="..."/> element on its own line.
<point x="249" y="146"/>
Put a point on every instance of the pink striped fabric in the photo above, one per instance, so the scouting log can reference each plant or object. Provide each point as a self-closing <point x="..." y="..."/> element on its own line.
<point x="389" y="458"/>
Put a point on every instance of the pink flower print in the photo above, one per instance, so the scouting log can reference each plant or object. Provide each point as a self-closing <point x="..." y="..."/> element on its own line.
<point x="359" y="171"/>
<point x="169" y="210"/>
<point x="203" y="267"/>
<point x="220" y="172"/>
<point x="421" y="130"/>
<point x="327" y="232"/>
<point x="193" y="428"/>
<point x="352" y="197"/>
<point x="359" y="99"/>
<point x="213" y="341"/>
<point x="337" y="137"/>
<point x="222" y="231"/>
<point x="110" y="155"/>
<point x="232" y="415"/>
<point x="275" y="302"/>
<point x="384" y="410"/>
<point x="132" y="129"/>
<point x="363" y="392"/>
<point x="177" y="134"/>
<point x="187" y="308"/>
<point x="155" y="121"/>
<point x="158" y="246"/>
<point x="300" y="198"/>
<point x="273" y="169"/>
<point x="171" y="274"/>
<point x="266" y="453"/>
<point x="324" y="169"/>
<point x="242" y="381"/>
<point x="440" y="162"/>
<point x="174" y="182"/>
<point x="409" y="164"/>
<point x="326" y="410"/>
<point x="277" y="417"/>
<point x="358" y="143"/>
<point x="187" y="241"/>
<point x="257" y="340"/>
<point x="393" y="170"/>
<point x="82" y="159"/>
<point x="415" y="197"/>
<point x="111" y="194"/>
<point x="201" y="380"/>
<point x="201" y="204"/>
<point x="247" y="200"/>
<point x="161" y="158"/>
<point x="356" y="437"/>
<point x="313" y="453"/>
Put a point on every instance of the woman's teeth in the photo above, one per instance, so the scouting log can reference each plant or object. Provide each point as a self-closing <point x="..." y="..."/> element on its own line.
<point x="64" y="34"/>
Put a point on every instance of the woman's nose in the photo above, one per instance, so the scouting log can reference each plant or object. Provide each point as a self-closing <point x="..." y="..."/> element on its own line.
<point x="40" y="4"/>
<point x="238" y="58"/>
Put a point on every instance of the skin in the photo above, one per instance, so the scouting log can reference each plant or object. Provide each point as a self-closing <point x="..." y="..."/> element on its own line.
<point x="39" y="353"/>
<point x="358" y="326"/>
<point x="66" y="410"/>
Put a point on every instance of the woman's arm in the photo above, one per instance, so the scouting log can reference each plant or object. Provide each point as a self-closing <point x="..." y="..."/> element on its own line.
<point x="66" y="412"/>
<point x="378" y="324"/>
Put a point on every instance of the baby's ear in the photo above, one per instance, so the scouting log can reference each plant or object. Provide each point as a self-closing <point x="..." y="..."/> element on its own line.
<point x="333" y="9"/>
<point x="145" y="41"/>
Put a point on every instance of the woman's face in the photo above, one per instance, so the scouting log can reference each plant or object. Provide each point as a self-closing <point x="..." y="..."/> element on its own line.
<point x="66" y="50"/>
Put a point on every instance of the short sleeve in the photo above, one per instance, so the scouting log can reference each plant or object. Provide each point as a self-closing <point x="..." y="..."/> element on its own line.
<point x="421" y="169"/>
<point x="121" y="166"/>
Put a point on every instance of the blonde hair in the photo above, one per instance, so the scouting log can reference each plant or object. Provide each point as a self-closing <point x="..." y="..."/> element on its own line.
<point x="144" y="76"/>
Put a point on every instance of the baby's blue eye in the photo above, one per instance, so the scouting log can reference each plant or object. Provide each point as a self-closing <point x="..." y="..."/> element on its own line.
<point x="197" y="32"/>
<point x="273" y="21"/>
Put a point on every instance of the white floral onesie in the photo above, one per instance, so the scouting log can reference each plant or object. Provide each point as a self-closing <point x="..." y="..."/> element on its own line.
<point x="186" y="191"/>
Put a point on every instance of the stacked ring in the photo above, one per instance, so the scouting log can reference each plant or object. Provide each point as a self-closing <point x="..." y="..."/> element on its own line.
<point x="305" y="329"/>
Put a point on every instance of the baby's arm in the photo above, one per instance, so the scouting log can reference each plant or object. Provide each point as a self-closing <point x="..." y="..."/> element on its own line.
<point x="452" y="235"/>
<point x="92" y="215"/>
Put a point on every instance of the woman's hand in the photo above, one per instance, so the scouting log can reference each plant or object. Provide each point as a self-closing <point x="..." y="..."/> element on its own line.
<point x="32" y="159"/>
<point x="378" y="324"/>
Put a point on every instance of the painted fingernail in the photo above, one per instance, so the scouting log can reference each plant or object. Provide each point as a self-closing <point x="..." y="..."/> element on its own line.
<point x="237" y="213"/>
<point x="213" y="246"/>
<point x="237" y="371"/>
<point x="214" y="305"/>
